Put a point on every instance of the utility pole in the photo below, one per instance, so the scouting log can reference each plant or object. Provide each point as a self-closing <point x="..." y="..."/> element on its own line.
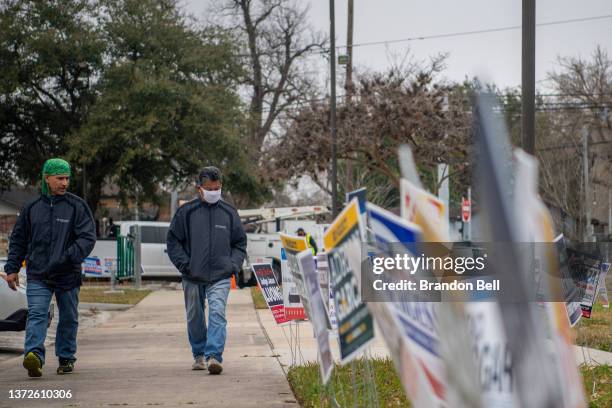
<point x="84" y="182"/>
<point x="137" y="256"/>
<point x="173" y="202"/>
<point x="332" y="51"/>
<point x="349" y="83"/>
<point x="469" y="224"/>
<point x="528" y="76"/>
<point x="443" y="190"/>
<point x="349" y="51"/>
<point x="588" y="235"/>
<point x="609" y="211"/>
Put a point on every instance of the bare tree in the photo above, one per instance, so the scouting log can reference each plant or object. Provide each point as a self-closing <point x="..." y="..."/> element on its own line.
<point x="583" y="98"/>
<point x="277" y="41"/>
<point x="387" y="110"/>
<point x="587" y="83"/>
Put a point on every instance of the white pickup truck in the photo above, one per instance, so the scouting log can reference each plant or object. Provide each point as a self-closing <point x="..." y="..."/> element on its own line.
<point x="265" y="245"/>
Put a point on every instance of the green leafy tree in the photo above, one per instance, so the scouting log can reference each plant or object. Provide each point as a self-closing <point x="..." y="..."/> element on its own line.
<point x="51" y="52"/>
<point x="168" y="104"/>
<point x="133" y="93"/>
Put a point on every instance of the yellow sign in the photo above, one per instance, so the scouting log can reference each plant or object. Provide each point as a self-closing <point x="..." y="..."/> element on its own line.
<point x="342" y="225"/>
<point x="293" y="244"/>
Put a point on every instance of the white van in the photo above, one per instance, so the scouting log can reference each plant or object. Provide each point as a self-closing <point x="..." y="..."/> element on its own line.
<point x="155" y="261"/>
<point x="154" y="254"/>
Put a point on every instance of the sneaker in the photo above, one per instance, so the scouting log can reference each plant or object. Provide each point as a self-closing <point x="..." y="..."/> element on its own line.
<point x="199" y="363"/>
<point x="65" y="366"/>
<point x="32" y="363"/>
<point x="214" y="367"/>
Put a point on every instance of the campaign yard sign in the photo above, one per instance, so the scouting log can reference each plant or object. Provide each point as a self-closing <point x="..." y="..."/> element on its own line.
<point x="425" y="210"/>
<point x="360" y="194"/>
<point x="294" y="309"/>
<point x="271" y="291"/>
<point x="92" y="266"/>
<point x="342" y="241"/>
<point x="318" y="313"/>
<point x="326" y="292"/>
<point x="409" y="327"/>
<point x="585" y="268"/>
<point x="569" y="288"/>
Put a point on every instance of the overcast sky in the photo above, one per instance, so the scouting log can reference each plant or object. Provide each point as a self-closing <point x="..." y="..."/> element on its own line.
<point x="496" y="56"/>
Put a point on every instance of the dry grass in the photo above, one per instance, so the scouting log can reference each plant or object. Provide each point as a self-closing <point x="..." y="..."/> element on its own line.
<point x="309" y="391"/>
<point x="598" y="385"/>
<point x="596" y="332"/>
<point x="306" y="384"/>
<point x="89" y="294"/>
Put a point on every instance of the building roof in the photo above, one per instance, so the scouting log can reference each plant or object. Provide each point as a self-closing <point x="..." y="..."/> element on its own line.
<point x="18" y="197"/>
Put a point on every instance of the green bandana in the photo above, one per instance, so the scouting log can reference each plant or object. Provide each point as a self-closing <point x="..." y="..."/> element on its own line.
<point x="54" y="167"/>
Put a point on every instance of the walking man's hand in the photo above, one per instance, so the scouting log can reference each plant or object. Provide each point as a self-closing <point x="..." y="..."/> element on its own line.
<point x="13" y="280"/>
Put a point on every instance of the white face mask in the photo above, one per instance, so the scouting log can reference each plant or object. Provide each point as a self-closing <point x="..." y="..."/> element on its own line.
<point x="211" y="197"/>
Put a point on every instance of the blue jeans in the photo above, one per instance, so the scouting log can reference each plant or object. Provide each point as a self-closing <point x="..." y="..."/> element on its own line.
<point x="206" y="342"/>
<point x="39" y="299"/>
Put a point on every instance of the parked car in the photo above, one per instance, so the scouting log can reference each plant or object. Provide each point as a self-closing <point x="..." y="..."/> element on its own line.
<point x="14" y="303"/>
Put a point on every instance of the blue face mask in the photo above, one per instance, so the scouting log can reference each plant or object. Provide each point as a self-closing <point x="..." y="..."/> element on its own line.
<point x="211" y="197"/>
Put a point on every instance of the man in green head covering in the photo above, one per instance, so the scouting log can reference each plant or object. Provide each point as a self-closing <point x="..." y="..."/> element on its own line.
<point x="54" y="233"/>
<point x="55" y="177"/>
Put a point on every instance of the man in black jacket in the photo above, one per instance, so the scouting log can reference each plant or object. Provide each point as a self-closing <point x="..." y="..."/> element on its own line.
<point x="53" y="234"/>
<point x="207" y="244"/>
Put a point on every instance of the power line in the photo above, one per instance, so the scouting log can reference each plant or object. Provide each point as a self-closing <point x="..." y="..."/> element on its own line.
<point x="475" y="32"/>
<point x="571" y="146"/>
<point x="541" y="108"/>
<point x="453" y="34"/>
<point x="550" y="105"/>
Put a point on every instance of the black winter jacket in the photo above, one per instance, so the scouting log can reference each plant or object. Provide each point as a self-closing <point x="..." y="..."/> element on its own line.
<point x="53" y="234"/>
<point x="206" y="242"/>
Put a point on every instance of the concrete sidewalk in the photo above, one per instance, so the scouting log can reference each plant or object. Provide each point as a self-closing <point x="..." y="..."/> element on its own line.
<point x="141" y="357"/>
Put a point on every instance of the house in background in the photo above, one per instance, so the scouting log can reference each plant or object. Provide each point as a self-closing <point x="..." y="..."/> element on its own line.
<point x="11" y="203"/>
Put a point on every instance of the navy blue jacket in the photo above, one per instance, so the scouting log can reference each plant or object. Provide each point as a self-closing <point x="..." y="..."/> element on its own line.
<point x="53" y="234"/>
<point x="206" y="242"/>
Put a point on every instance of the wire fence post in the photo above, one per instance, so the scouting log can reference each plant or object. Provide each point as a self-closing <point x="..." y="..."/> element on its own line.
<point x="115" y="272"/>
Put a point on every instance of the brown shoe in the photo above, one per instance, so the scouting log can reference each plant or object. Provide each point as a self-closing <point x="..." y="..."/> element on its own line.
<point x="214" y="367"/>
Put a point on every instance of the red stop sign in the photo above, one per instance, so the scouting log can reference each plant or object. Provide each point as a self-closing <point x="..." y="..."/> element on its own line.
<point x="466" y="210"/>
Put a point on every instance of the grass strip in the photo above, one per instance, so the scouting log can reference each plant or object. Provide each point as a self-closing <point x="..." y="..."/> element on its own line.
<point x="97" y="294"/>
<point x="306" y="385"/>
